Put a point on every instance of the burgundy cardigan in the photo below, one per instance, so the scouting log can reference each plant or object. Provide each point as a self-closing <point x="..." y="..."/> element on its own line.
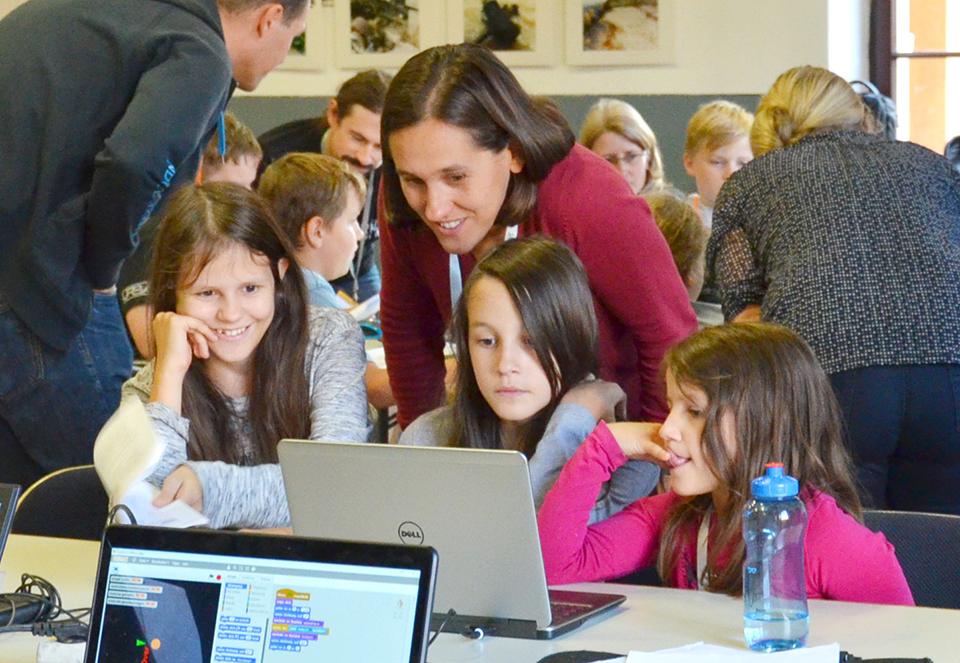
<point x="641" y="303"/>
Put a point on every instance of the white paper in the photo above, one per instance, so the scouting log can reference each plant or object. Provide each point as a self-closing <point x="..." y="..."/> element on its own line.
<point x="700" y="652"/>
<point x="376" y="355"/>
<point x="125" y="454"/>
<point x="367" y="309"/>
<point x="126" y="450"/>
<point x="139" y="499"/>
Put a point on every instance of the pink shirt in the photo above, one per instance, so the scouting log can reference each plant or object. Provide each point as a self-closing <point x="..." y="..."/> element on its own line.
<point x="641" y="303"/>
<point x="844" y="560"/>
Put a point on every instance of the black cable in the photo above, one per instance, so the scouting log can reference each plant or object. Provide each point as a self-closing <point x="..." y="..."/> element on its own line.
<point x="46" y="594"/>
<point x="450" y="613"/>
<point x="39" y="598"/>
<point x="36" y="597"/>
<point x="64" y="631"/>
<point x="111" y="517"/>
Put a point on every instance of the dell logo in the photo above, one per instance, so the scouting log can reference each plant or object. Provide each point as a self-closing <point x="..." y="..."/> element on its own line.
<point x="410" y="533"/>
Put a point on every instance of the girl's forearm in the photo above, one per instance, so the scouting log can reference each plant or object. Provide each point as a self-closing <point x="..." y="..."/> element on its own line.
<point x="167" y="388"/>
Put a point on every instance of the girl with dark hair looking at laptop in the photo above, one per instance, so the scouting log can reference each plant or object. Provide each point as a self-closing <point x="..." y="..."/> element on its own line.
<point x="241" y="361"/>
<point x="526" y="343"/>
<point x="469" y="157"/>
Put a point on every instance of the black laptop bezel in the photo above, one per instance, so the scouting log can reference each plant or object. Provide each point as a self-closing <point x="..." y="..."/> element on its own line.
<point x="269" y="546"/>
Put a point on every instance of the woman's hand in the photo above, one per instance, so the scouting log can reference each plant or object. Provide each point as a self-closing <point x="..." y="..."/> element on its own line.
<point x="182" y="484"/>
<point x="606" y="401"/>
<point x="179" y="339"/>
<point x="640" y="441"/>
<point x="750" y="313"/>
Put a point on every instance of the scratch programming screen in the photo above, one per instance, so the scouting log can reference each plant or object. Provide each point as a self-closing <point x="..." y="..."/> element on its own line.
<point x="197" y="608"/>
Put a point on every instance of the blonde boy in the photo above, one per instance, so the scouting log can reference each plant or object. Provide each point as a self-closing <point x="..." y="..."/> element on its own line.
<point x="317" y="200"/>
<point x="241" y="159"/>
<point x="718" y="145"/>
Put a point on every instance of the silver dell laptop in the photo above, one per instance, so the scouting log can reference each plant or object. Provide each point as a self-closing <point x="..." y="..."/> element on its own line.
<point x="474" y="507"/>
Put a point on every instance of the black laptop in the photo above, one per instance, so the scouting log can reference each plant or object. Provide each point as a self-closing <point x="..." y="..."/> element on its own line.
<point x="199" y="596"/>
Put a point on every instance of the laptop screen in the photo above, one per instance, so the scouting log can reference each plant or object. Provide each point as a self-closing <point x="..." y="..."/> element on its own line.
<point x="271" y="599"/>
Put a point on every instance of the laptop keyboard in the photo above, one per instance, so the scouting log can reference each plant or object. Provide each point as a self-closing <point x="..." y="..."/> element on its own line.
<point x="562" y="611"/>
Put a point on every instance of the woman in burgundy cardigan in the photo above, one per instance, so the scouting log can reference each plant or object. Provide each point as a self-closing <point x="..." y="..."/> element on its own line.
<point x="470" y="159"/>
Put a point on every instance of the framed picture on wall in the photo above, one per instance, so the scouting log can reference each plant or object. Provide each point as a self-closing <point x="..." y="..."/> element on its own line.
<point x="521" y="32"/>
<point x="308" y="52"/>
<point x="385" y="33"/>
<point x="620" y="32"/>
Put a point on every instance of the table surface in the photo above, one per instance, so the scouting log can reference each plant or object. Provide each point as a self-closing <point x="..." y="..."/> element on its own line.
<point x="651" y="618"/>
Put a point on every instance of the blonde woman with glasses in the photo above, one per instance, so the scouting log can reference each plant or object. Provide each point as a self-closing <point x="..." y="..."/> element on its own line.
<point x="618" y="133"/>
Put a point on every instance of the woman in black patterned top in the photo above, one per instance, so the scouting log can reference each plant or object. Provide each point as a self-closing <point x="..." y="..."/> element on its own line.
<point x="854" y="242"/>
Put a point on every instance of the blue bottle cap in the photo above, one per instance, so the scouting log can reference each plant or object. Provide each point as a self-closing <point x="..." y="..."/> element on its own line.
<point x="774" y="484"/>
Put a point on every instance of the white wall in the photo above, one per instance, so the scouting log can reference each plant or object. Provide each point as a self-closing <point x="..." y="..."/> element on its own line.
<point x="848" y="39"/>
<point x="6" y="6"/>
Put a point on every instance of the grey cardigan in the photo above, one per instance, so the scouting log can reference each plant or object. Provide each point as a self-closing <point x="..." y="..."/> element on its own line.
<point x="254" y="496"/>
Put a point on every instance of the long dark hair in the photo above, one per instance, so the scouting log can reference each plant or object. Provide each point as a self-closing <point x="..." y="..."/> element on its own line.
<point x="466" y="86"/>
<point x="200" y="223"/>
<point x="548" y="285"/>
<point x="765" y="381"/>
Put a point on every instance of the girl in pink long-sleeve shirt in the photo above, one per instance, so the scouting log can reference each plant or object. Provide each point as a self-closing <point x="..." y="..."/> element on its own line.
<point x="740" y="396"/>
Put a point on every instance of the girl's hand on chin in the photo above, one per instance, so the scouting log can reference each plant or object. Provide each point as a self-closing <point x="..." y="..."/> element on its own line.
<point x="640" y="441"/>
<point x="179" y="339"/>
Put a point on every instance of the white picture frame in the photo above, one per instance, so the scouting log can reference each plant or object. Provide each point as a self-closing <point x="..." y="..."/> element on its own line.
<point x="316" y="54"/>
<point x="424" y="26"/>
<point x="537" y="21"/>
<point x="644" y="34"/>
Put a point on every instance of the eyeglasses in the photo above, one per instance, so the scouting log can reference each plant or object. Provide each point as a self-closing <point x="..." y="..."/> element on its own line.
<point x="627" y="158"/>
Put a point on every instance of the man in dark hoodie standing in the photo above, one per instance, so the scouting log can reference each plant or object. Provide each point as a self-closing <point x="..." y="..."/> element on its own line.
<point x="106" y="107"/>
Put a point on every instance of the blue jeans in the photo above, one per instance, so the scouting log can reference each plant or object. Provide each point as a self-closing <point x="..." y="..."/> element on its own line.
<point x="53" y="403"/>
<point x="903" y="429"/>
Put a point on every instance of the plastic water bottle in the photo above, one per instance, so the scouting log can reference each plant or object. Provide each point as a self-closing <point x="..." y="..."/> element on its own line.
<point x="774" y="586"/>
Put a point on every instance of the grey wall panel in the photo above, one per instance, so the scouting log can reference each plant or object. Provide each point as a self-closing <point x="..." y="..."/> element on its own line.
<point x="666" y="114"/>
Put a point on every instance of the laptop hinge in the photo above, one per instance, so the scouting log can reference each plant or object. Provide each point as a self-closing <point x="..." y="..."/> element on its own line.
<point x="477" y="627"/>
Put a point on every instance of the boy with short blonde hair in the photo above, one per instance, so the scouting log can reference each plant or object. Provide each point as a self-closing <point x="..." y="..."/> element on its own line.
<point x="317" y="200"/>
<point x="718" y="145"/>
<point x="241" y="158"/>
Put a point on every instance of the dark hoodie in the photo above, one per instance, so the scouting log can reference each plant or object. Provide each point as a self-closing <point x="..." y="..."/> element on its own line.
<point x="105" y="106"/>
